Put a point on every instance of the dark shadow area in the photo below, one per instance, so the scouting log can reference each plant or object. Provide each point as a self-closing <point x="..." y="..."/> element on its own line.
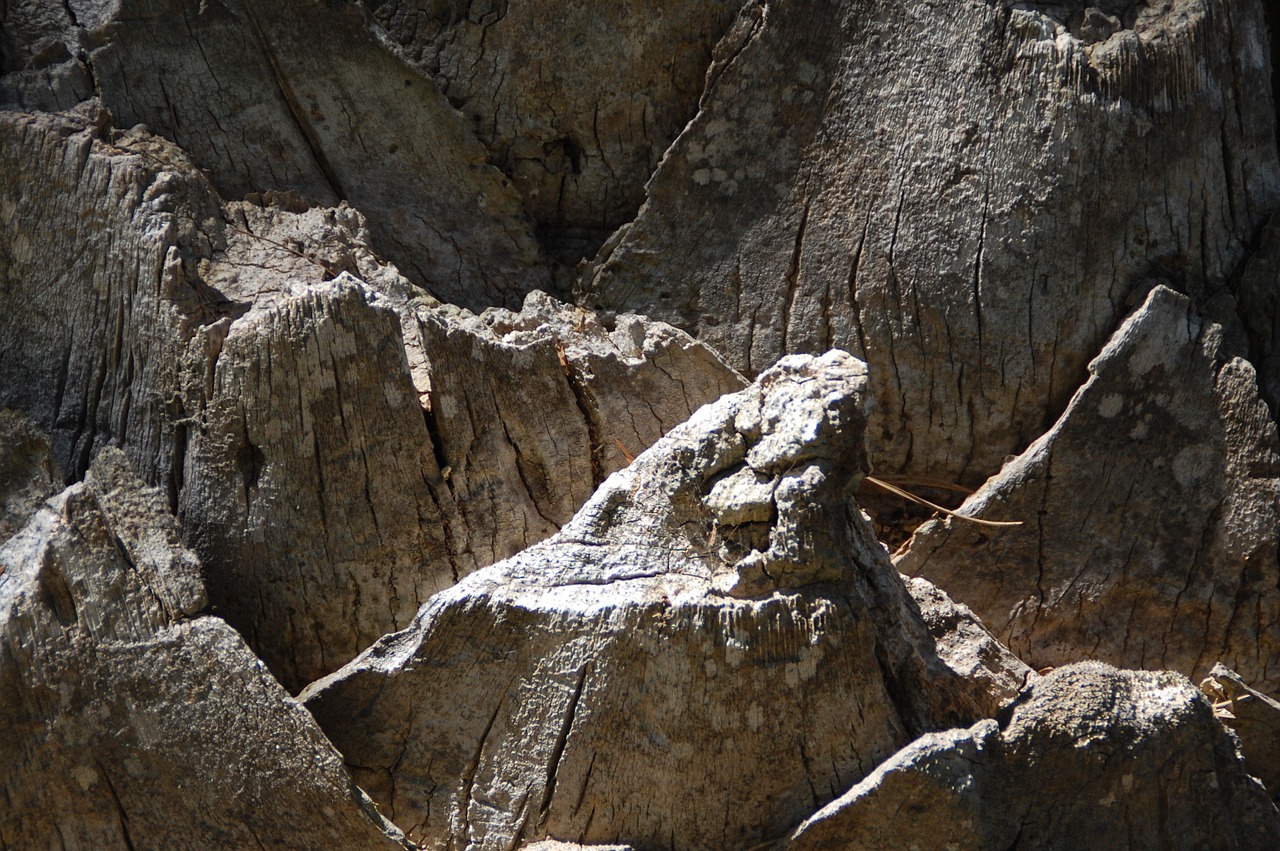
<point x="1272" y="10"/>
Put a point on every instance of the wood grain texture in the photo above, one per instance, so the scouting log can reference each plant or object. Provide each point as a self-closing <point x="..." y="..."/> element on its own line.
<point x="1096" y="745"/>
<point x="970" y="196"/>
<point x="629" y="679"/>
<point x="130" y="720"/>
<point x="1150" y="514"/>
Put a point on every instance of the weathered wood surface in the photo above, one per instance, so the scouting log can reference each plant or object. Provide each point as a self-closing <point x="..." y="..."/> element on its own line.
<point x="130" y="720"/>
<point x="1149" y="515"/>
<point x="712" y="648"/>
<point x="970" y="195"/>
<point x="1251" y="715"/>
<point x="576" y="102"/>
<point x="338" y="444"/>
<point x="303" y="96"/>
<point x="28" y="473"/>
<point x="306" y="301"/>
<point x="1095" y="744"/>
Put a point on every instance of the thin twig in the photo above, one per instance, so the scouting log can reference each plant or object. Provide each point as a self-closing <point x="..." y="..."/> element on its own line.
<point x="625" y="454"/>
<point x="894" y="489"/>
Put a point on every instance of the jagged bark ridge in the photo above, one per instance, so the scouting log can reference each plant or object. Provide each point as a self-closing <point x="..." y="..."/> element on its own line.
<point x="1149" y="515"/>
<point x="127" y="719"/>
<point x="626" y="680"/>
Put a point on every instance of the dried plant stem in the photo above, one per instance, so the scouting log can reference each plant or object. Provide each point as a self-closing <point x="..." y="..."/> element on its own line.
<point x="894" y="489"/>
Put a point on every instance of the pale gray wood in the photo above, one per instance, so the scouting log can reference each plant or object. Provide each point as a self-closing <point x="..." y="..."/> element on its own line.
<point x="339" y="445"/>
<point x="1149" y="515"/>
<point x="130" y="720"/>
<point x="1085" y="760"/>
<point x="659" y="673"/>
<point x="969" y="195"/>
